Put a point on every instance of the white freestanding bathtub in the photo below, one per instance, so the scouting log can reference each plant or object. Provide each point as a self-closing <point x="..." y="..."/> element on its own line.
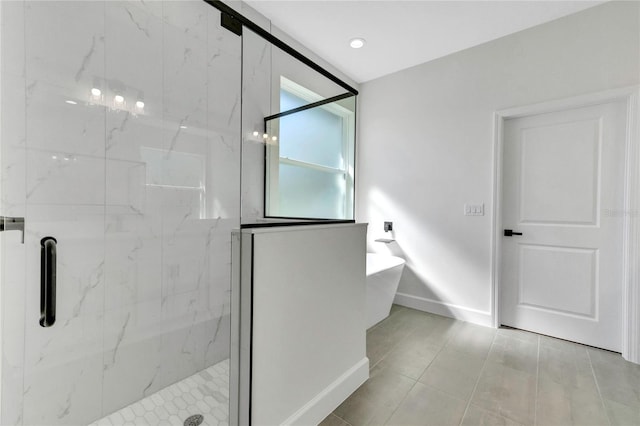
<point x="383" y="277"/>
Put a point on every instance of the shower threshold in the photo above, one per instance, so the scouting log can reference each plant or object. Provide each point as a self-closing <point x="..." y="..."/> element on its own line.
<point x="205" y="393"/>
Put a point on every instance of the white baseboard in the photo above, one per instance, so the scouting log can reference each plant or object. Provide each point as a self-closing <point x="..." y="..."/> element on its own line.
<point x="332" y="396"/>
<point x="445" y="309"/>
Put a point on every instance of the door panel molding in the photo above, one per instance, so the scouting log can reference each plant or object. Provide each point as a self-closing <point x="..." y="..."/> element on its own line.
<point x="631" y="213"/>
<point x="534" y="301"/>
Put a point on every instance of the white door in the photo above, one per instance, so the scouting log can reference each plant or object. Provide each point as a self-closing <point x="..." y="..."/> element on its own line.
<point x="563" y="190"/>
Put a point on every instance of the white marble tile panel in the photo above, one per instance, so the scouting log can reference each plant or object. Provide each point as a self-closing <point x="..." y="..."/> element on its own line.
<point x="252" y="182"/>
<point x="180" y="208"/>
<point x="74" y="57"/>
<point x="219" y="293"/>
<point x="224" y="114"/>
<point x="217" y="335"/>
<point x="184" y="239"/>
<point x="224" y="73"/>
<point x="224" y="82"/>
<point x="12" y="152"/>
<point x="133" y="375"/>
<point x="256" y="96"/>
<point x="133" y="256"/>
<point x="189" y="17"/>
<point x="129" y="133"/>
<point x="55" y="125"/>
<point x="12" y="28"/>
<point x="182" y="353"/>
<point x="134" y="64"/>
<point x="153" y="8"/>
<point x="182" y="308"/>
<point x="13" y="110"/>
<point x="184" y="271"/>
<point x="13" y="321"/>
<point x="12" y="203"/>
<point x="56" y="177"/>
<point x="223" y="176"/>
<point x="66" y="393"/>
<point x="185" y="80"/>
<point x="129" y="325"/>
<point x="185" y="160"/>
<point x="126" y="185"/>
<point x="12" y="128"/>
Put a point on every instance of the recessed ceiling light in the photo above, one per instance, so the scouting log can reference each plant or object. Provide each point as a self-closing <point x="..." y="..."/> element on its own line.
<point x="96" y="92"/>
<point x="357" y="43"/>
<point x="140" y="104"/>
<point x="119" y="99"/>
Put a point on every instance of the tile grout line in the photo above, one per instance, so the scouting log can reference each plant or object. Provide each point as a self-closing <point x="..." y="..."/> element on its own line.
<point x="415" y="381"/>
<point x="380" y="360"/>
<point x="371" y="366"/>
<point x="535" y="397"/>
<point x="475" y="386"/>
<point x="392" y="347"/>
<point x="595" y="379"/>
<point x="335" y="415"/>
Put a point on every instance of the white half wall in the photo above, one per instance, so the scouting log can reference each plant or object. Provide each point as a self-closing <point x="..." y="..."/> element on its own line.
<point x="426" y="139"/>
<point x="307" y="316"/>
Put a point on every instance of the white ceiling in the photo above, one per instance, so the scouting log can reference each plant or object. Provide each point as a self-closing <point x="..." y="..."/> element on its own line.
<point x="401" y="34"/>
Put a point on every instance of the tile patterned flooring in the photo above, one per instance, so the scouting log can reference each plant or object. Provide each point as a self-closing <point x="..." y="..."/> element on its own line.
<point x="431" y="370"/>
<point x="206" y="393"/>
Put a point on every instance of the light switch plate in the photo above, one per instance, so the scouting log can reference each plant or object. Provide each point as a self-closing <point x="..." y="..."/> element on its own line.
<point x="474" y="209"/>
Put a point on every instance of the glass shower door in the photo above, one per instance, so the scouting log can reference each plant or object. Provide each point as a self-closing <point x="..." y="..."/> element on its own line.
<point x="120" y="138"/>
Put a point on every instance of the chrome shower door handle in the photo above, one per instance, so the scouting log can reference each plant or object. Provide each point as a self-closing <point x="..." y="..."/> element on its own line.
<point x="12" y="224"/>
<point x="48" y="254"/>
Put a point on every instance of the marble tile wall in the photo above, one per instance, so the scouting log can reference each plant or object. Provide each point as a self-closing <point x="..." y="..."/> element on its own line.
<point x="257" y="93"/>
<point x="13" y="203"/>
<point x="141" y="199"/>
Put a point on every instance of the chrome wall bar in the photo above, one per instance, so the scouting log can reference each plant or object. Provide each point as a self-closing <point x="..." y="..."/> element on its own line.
<point x="48" y="254"/>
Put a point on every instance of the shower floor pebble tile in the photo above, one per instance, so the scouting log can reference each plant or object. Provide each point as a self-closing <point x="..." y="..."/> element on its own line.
<point x="206" y="393"/>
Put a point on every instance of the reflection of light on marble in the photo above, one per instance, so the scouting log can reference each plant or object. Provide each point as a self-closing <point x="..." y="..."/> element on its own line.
<point x="219" y="209"/>
<point x="70" y="102"/>
<point x="256" y="134"/>
<point x="118" y="102"/>
<point x="183" y="127"/>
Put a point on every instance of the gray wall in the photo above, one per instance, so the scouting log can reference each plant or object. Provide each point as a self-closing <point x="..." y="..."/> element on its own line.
<point x="426" y="135"/>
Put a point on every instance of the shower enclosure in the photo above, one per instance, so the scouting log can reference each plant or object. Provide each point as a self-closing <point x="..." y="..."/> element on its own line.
<point x="125" y="131"/>
<point x="120" y="140"/>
